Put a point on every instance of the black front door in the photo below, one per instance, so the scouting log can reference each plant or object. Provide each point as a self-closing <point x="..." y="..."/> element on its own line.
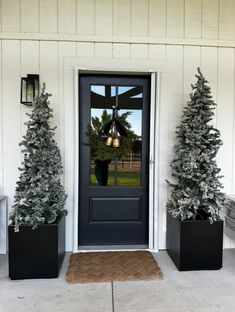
<point x="113" y="169"/>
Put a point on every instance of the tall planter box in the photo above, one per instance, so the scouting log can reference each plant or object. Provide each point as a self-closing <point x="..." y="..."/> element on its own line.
<point x="36" y="253"/>
<point x="195" y="245"/>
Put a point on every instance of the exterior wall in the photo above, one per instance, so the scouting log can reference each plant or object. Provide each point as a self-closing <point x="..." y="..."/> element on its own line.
<point x="132" y="19"/>
<point x="174" y="36"/>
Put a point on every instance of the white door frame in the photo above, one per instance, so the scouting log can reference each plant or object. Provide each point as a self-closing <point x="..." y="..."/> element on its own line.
<point x="153" y="151"/>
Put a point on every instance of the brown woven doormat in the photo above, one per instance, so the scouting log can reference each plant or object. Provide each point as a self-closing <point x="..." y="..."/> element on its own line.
<point x="96" y="267"/>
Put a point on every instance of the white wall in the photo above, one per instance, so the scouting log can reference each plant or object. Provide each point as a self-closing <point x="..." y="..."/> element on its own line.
<point x="175" y="36"/>
<point x="189" y="19"/>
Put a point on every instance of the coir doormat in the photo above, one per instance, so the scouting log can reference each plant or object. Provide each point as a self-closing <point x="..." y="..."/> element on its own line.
<point x="97" y="267"/>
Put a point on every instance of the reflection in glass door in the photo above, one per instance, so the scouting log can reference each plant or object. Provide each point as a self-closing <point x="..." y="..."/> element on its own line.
<point x="119" y="166"/>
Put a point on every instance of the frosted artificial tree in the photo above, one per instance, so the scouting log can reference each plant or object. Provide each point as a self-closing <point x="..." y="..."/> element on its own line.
<point x="40" y="196"/>
<point x="197" y="191"/>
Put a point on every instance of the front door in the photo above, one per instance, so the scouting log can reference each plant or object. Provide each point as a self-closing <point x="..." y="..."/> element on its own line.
<point x="114" y="167"/>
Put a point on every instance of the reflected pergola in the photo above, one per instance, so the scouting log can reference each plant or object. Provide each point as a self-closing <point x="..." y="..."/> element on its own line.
<point x="129" y="99"/>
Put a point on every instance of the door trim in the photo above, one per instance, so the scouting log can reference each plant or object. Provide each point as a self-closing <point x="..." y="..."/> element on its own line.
<point x="153" y="153"/>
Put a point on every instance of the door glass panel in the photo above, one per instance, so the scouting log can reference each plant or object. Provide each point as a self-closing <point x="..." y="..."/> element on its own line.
<point x="110" y="165"/>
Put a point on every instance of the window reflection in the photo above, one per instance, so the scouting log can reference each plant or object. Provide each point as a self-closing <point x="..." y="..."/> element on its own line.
<point x="118" y="171"/>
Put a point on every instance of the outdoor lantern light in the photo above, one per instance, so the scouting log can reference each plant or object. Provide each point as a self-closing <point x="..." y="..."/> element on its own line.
<point x="29" y="89"/>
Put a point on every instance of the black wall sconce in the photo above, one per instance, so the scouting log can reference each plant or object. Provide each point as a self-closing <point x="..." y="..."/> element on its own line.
<point x="29" y="89"/>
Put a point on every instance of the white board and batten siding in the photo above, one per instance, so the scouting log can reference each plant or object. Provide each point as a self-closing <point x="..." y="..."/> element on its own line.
<point x="173" y="36"/>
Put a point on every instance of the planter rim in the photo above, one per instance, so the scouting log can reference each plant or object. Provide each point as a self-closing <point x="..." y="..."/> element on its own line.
<point x="41" y="224"/>
<point x="194" y="221"/>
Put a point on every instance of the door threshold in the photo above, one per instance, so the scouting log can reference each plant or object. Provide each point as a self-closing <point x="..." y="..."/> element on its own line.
<point x="112" y="248"/>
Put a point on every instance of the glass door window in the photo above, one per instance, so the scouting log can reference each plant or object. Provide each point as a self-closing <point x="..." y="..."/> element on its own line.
<point x="120" y="166"/>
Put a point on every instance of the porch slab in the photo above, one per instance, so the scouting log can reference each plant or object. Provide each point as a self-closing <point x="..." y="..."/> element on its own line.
<point x="52" y="295"/>
<point x="195" y="291"/>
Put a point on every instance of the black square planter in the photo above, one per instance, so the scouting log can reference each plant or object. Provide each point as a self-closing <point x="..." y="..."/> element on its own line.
<point x="36" y="253"/>
<point x="195" y="245"/>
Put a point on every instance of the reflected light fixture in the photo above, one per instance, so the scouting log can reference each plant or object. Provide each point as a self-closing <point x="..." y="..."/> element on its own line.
<point x="112" y="129"/>
<point x="116" y="142"/>
<point x="29" y="89"/>
<point x="109" y="141"/>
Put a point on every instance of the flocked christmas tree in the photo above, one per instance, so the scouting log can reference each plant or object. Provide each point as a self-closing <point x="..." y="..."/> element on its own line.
<point x="197" y="192"/>
<point x="39" y="196"/>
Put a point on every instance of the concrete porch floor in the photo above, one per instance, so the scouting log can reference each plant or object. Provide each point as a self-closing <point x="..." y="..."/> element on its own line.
<point x="195" y="291"/>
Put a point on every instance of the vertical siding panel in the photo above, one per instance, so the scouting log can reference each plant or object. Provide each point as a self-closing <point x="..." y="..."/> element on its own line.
<point x="10" y="16"/>
<point x="86" y="17"/>
<point x="233" y="181"/>
<point x="157" y="51"/>
<point x="139" y="18"/>
<point x="0" y="15"/>
<point x="227" y="20"/>
<point x="170" y="101"/>
<point x="103" y="50"/>
<point x="139" y="51"/>
<point x="103" y="17"/>
<point x="209" y="65"/>
<point x="175" y="18"/>
<point x="225" y="114"/>
<point x="1" y="125"/>
<point x="29" y="16"/>
<point x="49" y="75"/>
<point x="67" y="17"/>
<point x="121" y="50"/>
<point x="69" y="152"/>
<point x="29" y="58"/>
<point x="65" y="100"/>
<point x="121" y="17"/>
<point x="225" y="122"/>
<point x="193" y="19"/>
<point x="11" y="115"/>
<point x="157" y="18"/>
<point x="174" y="88"/>
<point x="85" y="49"/>
<point x="192" y="59"/>
<point x="210" y="19"/>
<point x="29" y="65"/>
<point x="48" y="16"/>
<point x="65" y="49"/>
